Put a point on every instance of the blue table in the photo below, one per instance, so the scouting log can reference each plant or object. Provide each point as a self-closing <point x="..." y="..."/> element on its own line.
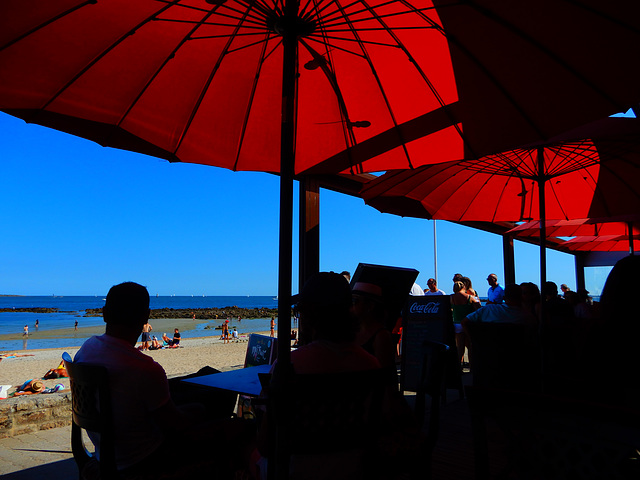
<point x="244" y="381"/>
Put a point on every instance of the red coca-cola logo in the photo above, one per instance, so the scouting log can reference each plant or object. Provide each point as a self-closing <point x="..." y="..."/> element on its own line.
<point x="431" y="307"/>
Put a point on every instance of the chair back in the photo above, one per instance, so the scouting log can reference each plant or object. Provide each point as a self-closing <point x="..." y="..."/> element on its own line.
<point x="529" y="435"/>
<point x="91" y="404"/>
<point x="334" y="412"/>
<point x="504" y="355"/>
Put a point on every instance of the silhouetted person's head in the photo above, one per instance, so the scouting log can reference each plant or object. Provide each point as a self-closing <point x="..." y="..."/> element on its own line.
<point x="513" y="295"/>
<point x="530" y="293"/>
<point x="492" y="280"/>
<point x="126" y="310"/>
<point x="549" y="290"/>
<point x="324" y="306"/>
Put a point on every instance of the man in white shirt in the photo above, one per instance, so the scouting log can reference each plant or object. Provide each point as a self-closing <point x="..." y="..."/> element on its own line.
<point x="433" y="288"/>
<point x="148" y="425"/>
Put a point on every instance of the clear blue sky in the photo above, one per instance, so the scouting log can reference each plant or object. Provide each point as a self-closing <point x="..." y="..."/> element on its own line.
<point x="77" y="218"/>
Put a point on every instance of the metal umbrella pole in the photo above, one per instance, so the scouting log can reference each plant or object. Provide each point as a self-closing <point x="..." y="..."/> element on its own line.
<point x="287" y="28"/>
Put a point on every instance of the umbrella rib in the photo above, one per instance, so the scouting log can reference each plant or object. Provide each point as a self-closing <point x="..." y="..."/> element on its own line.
<point x="328" y="70"/>
<point x="248" y="45"/>
<point x="258" y="21"/>
<point x="156" y="73"/>
<point x="334" y="47"/>
<point x="245" y="121"/>
<point x="359" y="41"/>
<point x="203" y="92"/>
<point x="47" y="22"/>
<point x="110" y="48"/>
<point x="328" y="21"/>
<point x="347" y="128"/>
<point x="377" y="78"/>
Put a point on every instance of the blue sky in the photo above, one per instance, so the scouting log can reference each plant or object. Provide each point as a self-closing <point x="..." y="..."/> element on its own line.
<point x="78" y="218"/>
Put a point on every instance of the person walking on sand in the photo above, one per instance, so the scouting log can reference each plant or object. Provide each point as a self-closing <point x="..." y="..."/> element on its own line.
<point x="273" y="326"/>
<point x="75" y="327"/>
<point x="25" y="331"/>
<point x="146" y="335"/>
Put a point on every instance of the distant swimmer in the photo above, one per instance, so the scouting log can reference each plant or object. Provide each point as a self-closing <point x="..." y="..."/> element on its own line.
<point x="37" y="323"/>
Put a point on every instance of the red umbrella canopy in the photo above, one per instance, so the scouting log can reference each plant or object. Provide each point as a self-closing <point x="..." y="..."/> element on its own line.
<point x="603" y="243"/>
<point x="576" y="227"/>
<point x="200" y="81"/>
<point x="586" y="178"/>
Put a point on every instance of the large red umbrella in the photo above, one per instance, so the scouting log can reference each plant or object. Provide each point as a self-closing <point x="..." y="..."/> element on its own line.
<point x="577" y="179"/>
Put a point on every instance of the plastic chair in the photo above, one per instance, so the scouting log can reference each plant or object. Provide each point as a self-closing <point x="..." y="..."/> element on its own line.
<point x="533" y="436"/>
<point x="328" y="417"/>
<point x="91" y="404"/>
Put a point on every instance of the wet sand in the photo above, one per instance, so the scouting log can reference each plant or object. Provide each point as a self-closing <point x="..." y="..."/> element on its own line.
<point x="160" y="326"/>
<point x="193" y="354"/>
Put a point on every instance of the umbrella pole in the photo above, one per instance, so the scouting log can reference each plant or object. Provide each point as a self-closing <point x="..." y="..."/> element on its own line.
<point x="543" y="260"/>
<point x="287" y="159"/>
<point x="630" y="230"/>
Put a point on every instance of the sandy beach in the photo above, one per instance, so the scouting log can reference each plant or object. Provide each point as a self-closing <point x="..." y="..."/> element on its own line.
<point x="193" y="354"/>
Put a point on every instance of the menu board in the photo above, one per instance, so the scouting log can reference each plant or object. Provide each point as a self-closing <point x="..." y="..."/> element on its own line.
<point x="426" y="318"/>
<point x="261" y="350"/>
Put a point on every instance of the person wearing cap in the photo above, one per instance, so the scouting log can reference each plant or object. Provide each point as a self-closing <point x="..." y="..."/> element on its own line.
<point x="495" y="294"/>
<point x="326" y="328"/>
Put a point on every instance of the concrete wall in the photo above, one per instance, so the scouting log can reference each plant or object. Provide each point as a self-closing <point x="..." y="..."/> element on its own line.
<point x="30" y="413"/>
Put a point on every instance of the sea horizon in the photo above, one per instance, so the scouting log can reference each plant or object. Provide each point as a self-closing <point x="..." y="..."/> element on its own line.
<point x="72" y="308"/>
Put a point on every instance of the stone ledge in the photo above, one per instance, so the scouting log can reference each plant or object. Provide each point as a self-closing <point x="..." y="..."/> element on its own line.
<point x="30" y="413"/>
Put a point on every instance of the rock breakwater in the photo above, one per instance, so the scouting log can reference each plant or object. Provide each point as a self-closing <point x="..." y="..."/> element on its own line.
<point x="201" y="313"/>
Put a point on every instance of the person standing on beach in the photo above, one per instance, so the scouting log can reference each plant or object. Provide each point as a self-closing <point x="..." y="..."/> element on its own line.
<point x="25" y="331"/>
<point x="37" y="323"/>
<point x="75" y="327"/>
<point x="495" y="294"/>
<point x="273" y="326"/>
<point x="146" y="335"/>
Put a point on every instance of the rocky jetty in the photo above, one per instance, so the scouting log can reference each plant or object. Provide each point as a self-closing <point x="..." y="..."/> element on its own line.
<point x="30" y="310"/>
<point x="202" y="313"/>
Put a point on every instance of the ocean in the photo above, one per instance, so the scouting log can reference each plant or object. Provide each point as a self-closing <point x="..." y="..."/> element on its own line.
<point x="72" y="308"/>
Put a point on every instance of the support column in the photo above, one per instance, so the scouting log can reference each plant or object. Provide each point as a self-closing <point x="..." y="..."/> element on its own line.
<point x="309" y="255"/>
<point x="508" y="257"/>
<point x="579" y="261"/>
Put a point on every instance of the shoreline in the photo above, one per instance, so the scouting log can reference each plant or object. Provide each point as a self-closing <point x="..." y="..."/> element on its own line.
<point x="184" y="324"/>
<point x="195" y="353"/>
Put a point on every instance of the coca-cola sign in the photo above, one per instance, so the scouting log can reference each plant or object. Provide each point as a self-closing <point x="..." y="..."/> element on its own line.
<point x="431" y="307"/>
